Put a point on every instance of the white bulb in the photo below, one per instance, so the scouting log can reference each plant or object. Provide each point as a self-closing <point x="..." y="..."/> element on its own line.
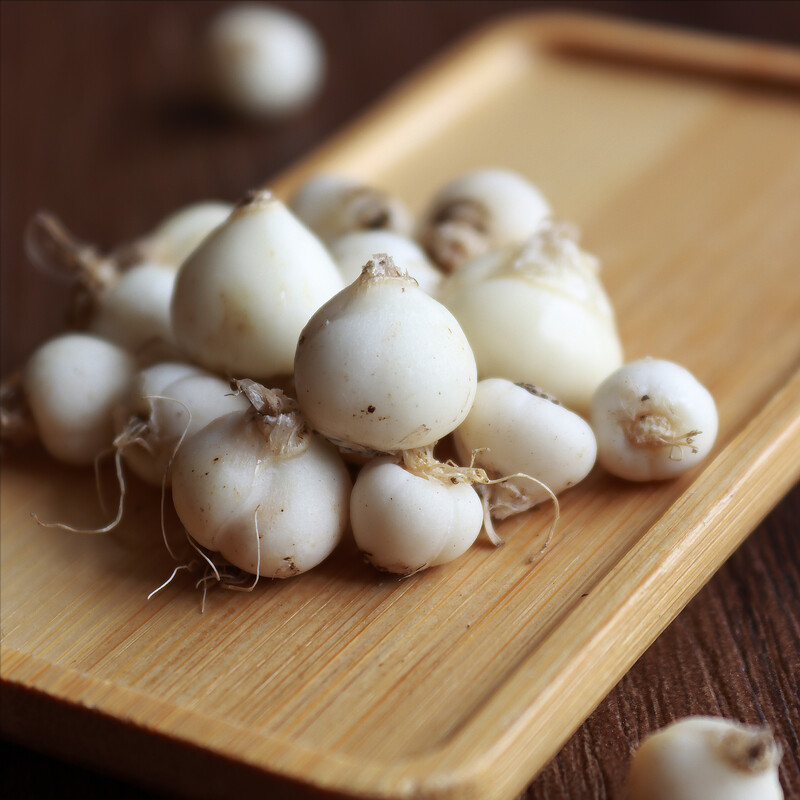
<point x="384" y="366"/>
<point x="513" y="429"/>
<point x="134" y="312"/>
<point x="174" y="239"/>
<point x="333" y="205"/>
<point x="166" y="404"/>
<point x="72" y="384"/>
<point x="403" y="522"/>
<point x="653" y="420"/>
<point x="255" y="486"/>
<point x="537" y="313"/>
<point x="706" y="758"/>
<point x="243" y="296"/>
<point x="478" y="212"/>
<point x="264" y="61"/>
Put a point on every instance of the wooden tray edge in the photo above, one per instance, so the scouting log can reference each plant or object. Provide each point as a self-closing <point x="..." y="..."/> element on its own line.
<point x="36" y="694"/>
<point x="572" y="670"/>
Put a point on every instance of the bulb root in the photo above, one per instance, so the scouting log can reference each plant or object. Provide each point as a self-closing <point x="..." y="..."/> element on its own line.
<point x="55" y="251"/>
<point x="499" y="498"/>
<point x="651" y="429"/>
<point x="120" y="508"/>
<point x="283" y="425"/>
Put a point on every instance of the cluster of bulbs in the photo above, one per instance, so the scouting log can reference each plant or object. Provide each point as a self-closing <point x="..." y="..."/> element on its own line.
<point x="483" y="323"/>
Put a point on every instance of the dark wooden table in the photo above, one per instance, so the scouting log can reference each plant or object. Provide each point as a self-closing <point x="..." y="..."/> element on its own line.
<point x="98" y="125"/>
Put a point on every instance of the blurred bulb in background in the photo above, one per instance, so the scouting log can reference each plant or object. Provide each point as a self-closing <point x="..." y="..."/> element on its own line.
<point x="263" y="62"/>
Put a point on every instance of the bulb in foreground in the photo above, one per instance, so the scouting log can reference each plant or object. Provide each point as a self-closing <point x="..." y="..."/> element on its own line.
<point x="383" y="366"/>
<point x="260" y="489"/>
<point x="707" y="758"/>
<point x="405" y="522"/>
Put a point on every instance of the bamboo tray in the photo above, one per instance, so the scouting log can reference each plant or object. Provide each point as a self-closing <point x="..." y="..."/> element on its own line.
<point x="678" y="157"/>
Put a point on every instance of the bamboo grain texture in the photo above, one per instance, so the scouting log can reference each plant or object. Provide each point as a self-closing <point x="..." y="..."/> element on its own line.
<point x="678" y="158"/>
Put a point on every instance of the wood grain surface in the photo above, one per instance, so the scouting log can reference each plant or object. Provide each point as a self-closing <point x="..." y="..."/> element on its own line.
<point x="100" y="123"/>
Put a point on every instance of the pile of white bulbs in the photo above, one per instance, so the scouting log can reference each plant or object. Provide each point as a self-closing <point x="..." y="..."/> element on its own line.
<point x="353" y="335"/>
